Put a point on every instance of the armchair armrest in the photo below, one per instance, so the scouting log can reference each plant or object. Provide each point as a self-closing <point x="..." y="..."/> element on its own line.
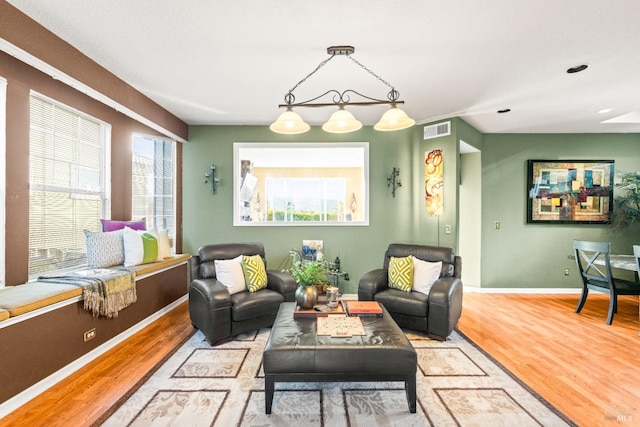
<point x="282" y="283"/>
<point x="210" y="308"/>
<point x="445" y="306"/>
<point x="372" y="283"/>
<point x="214" y="292"/>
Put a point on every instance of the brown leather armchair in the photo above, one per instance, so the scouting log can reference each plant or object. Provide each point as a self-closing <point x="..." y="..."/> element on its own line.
<point x="438" y="312"/>
<point x="219" y="314"/>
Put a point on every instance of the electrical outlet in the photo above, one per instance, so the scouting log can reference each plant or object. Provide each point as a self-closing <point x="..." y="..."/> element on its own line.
<point x="447" y="229"/>
<point x="497" y="225"/>
<point x="566" y="271"/>
<point x="90" y="334"/>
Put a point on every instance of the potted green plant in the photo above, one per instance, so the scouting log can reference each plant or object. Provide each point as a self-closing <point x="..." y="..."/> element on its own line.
<point x="626" y="202"/>
<point x="308" y="275"/>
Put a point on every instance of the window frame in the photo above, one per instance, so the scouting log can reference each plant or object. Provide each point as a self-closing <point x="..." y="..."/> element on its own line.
<point x="286" y="150"/>
<point x="3" y="177"/>
<point x="104" y="192"/>
<point x="151" y="222"/>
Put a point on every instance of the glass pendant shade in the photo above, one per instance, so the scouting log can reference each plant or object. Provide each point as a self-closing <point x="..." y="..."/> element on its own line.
<point x="289" y="123"/>
<point x="394" y="119"/>
<point x="341" y="121"/>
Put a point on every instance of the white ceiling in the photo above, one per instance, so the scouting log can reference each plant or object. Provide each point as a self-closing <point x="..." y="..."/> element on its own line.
<point x="231" y="62"/>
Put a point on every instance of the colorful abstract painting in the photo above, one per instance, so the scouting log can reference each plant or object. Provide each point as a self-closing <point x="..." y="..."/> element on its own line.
<point x="433" y="182"/>
<point x="566" y="191"/>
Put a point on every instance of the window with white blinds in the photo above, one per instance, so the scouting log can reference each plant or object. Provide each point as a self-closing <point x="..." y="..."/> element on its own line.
<point x="153" y="182"/>
<point x="68" y="184"/>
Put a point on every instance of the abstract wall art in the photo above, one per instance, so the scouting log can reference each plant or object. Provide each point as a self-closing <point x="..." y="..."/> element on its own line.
<point x="570" y="191"/>
<point x="433" y="182"/>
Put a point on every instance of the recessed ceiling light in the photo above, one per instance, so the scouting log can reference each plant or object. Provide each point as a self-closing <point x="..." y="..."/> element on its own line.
<point x="604" y="111"/>
<point x="577" y="68"/>
<point x="504" y="110"/>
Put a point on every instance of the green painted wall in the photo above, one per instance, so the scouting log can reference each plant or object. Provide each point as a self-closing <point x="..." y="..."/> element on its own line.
<point x="521" y="255"/>
<point x="518" y="255"/>
<point x="209" y="218"/>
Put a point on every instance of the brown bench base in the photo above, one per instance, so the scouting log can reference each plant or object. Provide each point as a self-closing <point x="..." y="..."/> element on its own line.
<point x="294" y="353"/>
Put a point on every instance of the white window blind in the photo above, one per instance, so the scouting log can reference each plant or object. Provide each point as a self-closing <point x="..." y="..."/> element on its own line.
<point x="153" y="182"/>
<point x="67" y="184"/>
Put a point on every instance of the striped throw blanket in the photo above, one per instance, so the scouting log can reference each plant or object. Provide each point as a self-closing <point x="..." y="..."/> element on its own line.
<point x="105" y="291"/>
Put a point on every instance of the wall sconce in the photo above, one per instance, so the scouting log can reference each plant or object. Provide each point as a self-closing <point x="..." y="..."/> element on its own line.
<point x="393" y="180"/>
<point x="212" y="176"/>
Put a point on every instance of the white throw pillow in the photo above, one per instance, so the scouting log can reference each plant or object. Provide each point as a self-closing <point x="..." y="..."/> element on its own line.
<point x="140" y="247"/>
<point x="164" y="247"/>
<point x="425" y="273"/>
<point x="162" y="235"/>
<point x="229" y="273"/>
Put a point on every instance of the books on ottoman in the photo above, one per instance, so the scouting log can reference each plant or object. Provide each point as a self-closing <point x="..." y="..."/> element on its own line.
<point x="363" y="308"/>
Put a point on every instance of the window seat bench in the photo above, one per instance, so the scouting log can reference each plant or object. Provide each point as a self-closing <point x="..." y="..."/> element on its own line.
<point x="47" y="334"/>
<point x="21" y="299"/>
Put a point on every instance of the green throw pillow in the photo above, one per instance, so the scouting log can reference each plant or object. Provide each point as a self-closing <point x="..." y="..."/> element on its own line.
<point x="401" y="273"/>
<point x="150" y="245"/>
<point x="255" y="275"/>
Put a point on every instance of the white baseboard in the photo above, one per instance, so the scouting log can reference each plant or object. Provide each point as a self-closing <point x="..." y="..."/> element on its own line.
<point x="523" y="290"/>
<point x="41" y="386"/>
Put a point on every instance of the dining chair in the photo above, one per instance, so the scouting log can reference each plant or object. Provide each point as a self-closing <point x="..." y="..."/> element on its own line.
<point x="636" y="256"/>
<point x="599" y="278"/>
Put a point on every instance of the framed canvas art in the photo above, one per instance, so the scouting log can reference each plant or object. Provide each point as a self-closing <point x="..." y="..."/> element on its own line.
<point x="569" y="191"/>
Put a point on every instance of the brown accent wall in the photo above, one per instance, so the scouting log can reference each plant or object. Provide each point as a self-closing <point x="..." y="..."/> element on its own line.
<point x="25" y="33"/>
<point x="21" y="79"/>
<point x="35" y="348"/>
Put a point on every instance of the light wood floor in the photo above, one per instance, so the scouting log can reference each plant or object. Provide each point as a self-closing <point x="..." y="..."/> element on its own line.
<point x="579" y="364"/>
<point x="586" y="369"/>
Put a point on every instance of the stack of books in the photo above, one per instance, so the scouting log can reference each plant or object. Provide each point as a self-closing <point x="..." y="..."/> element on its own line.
<point x="363" y="308"/>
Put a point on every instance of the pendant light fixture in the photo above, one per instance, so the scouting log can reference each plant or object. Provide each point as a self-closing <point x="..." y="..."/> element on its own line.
<point x="341" y="121"/>
<point x="290" y="123"/>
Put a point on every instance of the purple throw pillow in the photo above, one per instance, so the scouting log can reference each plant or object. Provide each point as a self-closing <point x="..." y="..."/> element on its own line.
<point x="111" y="225"/>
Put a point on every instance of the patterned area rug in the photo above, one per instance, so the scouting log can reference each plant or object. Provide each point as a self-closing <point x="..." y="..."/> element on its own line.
<point x="457" y="385"/>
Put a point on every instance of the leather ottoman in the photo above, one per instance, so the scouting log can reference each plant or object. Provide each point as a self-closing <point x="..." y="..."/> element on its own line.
<point x="295" y="353"/>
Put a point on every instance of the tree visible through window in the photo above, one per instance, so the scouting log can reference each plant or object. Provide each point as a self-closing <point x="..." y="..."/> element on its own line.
<point x="305" y="199"/>
<point x="67" y="183"/>
<point x="153" y="182"/>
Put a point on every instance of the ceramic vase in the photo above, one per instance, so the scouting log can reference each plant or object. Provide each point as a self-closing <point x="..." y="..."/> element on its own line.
<point x="306" y="297"/>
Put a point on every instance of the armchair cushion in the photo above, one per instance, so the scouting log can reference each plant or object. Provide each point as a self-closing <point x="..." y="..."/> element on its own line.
<point x="410" y="303"/>
<point x="249" y="305"/>
<point x="255" y="274"/>
<point x="401" y="273"/>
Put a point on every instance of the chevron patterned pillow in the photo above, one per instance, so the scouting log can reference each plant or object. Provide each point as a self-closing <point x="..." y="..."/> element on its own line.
<point x="401" y="273"/>
<point x="255" y="275"/>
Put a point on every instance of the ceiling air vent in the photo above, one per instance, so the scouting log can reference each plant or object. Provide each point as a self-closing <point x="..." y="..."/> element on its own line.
<point x="437" y="130"/>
